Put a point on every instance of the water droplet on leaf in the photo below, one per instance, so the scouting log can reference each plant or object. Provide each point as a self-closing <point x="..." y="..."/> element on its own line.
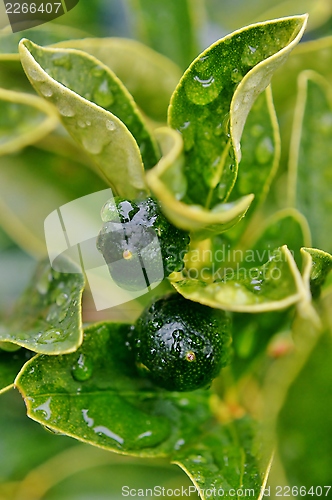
<point x="62" y="60"/>
<point x="103" y="95"/>
<point x="83" y="368"/>
<point x="110" y="125"/>
<point x="51" y="336"/>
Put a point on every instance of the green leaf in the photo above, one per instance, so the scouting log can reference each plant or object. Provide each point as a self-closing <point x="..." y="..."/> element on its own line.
<point x="46" y="177"/>
<point x="305" y="422"/>
<point x="321" y="266"/>
<point x="168" y="183"/>
<point x="211" y="103"/>
<point x="96" y="395"/>
<point x="48" y="316"/>
<point x="311" y="156"/>
<point x="286" y="227"/>
<point x="10" y="364"/>
<point x="272" y="286"/>
<point x="24" y="119"/>
<point x="260" y="158"/>
<point x="224" y="460"/>
<point x="167" y="27"/>
<point x="102" y="134"/>
<point x="150" y="77"/>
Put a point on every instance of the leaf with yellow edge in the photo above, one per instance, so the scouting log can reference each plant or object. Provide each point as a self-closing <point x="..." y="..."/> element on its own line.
<point x="272" y="286"/>
<point x="101" y="133"/>
<point x="211" y="103"/>
<point x="149" y="76"/>
<point x="168" y="183"/>
<point x="24" y="119"/>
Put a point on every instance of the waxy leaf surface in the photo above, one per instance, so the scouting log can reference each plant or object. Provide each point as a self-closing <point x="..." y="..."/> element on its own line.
<point x="272" y="286"/>
<point x="48" y="316"/>
<point x="96" y="395"/>
<point x="150" y="77"/>
<point x="168" y="183"/>
<point x="210" y="105"/>
<point x="224" y="459"/>
<point x="24" y="119"/>
<point x="84" y="90"/>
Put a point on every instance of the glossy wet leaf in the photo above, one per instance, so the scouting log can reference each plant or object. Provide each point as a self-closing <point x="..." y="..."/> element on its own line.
<point x="211" y="103"/>
<point x="11" y="363"/>
<point x="321" y="266"/>
<point x="286" y="227"/>
<point x="167" y="27"/>
<point x="310" y="173"/>
<point x="305" y="421"/>
<point x="102" y="134"/>
<point x="260" y="146"/>
<point x="24" y="119"/>
<point x="168" y="183"/>
<point x="45" y="176"/>
<point x="150" y="77"/>
<point x="47" y="318"/>
<point x="96" y="395"/>
<point x="272" y="286"/>
<point x="224" y="459"/>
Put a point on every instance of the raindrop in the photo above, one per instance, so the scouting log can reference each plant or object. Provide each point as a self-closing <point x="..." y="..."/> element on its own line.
<point x="202" y="89"/>
<point x="92" y="144"/>
<point x="45" y="408"/>
<point x="46" y="90"/>
<point x="62" y="298"/>
<point x="88" y="123"/>
<point x="101" y="429"/>
<point x="62" y="60"/>
<point x="82" y="369"/>
<point x="264" y="150"/>
<point x="81" y="123"/>
<point x="236" y="76"/>
<point x="65" y="109"/>
<point x="43" y="284"/>
<point x="36" y="75"/>
<point x="110" y="125"/>
<point x="51" y="336"/>
<point x="221" y="190"/>
<point x="62" y="315"/>
<point x="103" y="95"/>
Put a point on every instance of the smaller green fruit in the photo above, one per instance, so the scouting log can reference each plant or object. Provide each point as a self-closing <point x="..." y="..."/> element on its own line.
<point x="180" y="344"/>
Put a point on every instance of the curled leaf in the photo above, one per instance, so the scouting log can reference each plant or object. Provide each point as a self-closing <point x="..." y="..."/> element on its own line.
<point x="210" y="105"/>
<point x="272" y="286"/>
<point x="72" y="79"/>
<point x="168" y="183"/>
<point x="150" y="77"/>
<point x="48" y="315"/>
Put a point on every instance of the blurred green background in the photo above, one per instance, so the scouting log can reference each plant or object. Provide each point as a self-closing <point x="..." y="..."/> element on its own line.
<point x="34" y="463"/>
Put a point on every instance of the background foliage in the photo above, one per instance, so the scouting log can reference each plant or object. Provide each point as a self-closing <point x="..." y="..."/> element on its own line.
<point x="41" y="172"/>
